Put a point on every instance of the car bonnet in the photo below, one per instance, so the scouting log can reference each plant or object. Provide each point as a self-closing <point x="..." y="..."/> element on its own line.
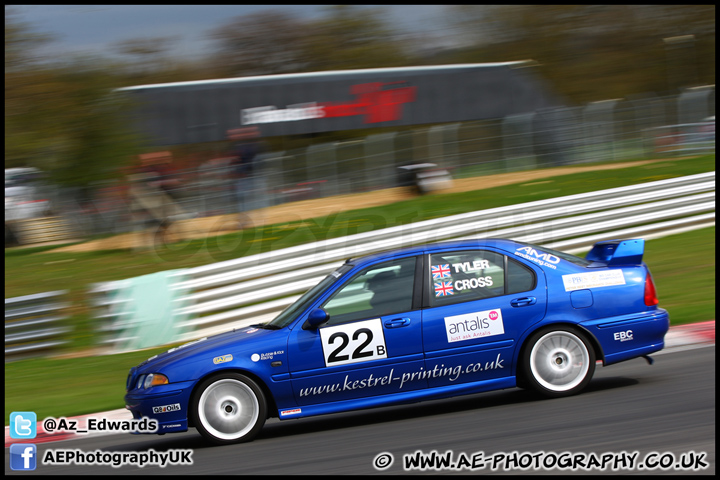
<point x="237" y="339"/>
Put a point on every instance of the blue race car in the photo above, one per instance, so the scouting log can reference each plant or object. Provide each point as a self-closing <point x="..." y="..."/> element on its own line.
<point x="408" y="325"/>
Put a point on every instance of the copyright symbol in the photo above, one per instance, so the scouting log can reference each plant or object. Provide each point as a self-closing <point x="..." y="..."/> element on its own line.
<point x="383" y="461"/>
<point x="49" y="424"/>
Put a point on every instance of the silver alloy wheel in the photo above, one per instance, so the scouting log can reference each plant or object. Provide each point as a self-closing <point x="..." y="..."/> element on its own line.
<point x="228" y="409"/>
<point x="559" y="361"/>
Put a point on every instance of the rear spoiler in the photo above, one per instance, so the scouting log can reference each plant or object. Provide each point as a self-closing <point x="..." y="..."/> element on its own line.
<point x="618" y="252"/>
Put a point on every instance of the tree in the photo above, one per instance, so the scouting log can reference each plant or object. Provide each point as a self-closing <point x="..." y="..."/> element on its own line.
<point x="27" y="82"/>
<point x="350" y="37"/>
<point x="62" y="118"/>
<point x="262" y="43"/>
<point x="273" y="42"/>
<point x="21" y="44"/>
<point x="149" y="53"/>
<point x="96" y="140"/>
<point x="591" y="52"/>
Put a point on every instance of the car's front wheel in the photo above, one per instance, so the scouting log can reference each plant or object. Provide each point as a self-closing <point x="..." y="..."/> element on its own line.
<point x="558" y="362"/>
<point x="229" y="409"/>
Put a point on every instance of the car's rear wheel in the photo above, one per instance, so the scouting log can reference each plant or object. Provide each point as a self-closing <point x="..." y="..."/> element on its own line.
<point x="229" y="409"/>
<point x="558" y="362"/>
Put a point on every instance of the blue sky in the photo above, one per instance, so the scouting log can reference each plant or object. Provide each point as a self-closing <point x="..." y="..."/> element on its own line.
<point x="94" y="28"/>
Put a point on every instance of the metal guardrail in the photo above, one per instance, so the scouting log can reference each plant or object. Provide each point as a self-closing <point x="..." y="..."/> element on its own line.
<point x="33" y="324"/>
<point x="255" y="288"/>
<point x="111" y="312"/>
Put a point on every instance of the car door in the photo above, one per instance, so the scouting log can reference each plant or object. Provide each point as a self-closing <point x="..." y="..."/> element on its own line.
<point x="372" y="342"/>
<point x="478" y="302"/>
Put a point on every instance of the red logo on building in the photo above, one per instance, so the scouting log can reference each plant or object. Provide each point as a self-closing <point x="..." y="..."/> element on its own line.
<point x="379" y="102"/>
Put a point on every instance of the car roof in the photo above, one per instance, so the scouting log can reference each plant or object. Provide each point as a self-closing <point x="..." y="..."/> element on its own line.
<point x="499" y="243"/>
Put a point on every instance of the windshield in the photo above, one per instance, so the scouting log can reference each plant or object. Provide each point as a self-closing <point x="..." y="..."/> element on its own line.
<point x="290" y="313"/>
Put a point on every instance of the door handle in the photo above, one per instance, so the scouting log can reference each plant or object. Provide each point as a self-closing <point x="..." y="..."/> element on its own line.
<point x="523" y="301"/>
<point x="397" y="322"/>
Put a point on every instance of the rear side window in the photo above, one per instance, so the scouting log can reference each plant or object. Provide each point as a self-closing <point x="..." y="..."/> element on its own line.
<point x="467" y="275"/>
<point x="519" y="277"/>
<point x="474" y="275"/>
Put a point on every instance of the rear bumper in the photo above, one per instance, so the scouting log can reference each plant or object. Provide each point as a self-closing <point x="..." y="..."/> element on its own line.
<point x="630" y="336"/>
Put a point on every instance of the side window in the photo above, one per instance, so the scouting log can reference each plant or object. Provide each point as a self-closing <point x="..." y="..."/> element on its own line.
<point x="381" y="289"/>
<point x="463" y="276"/>
<point x="520" y="278"/>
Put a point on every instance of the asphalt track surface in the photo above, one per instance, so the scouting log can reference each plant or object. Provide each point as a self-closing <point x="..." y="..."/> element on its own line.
<point x="665" y="408"/>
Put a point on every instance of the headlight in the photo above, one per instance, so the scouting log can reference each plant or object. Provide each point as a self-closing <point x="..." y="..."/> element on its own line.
<point x="151" y="380"/>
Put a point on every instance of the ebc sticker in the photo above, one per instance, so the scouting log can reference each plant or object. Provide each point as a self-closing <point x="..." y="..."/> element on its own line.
<point x="623" y="336"/>
<point x="474" y="325"/>
<point x="353" y="342"/>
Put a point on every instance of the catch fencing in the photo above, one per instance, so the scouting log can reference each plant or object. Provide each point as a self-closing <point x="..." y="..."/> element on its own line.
<point x="642" y="127"/>
<point x="253" y="289"/>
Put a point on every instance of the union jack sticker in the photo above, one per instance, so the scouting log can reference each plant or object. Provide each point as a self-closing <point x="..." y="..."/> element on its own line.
<point x="443" y="288"/>
<point x="440" y="271"/>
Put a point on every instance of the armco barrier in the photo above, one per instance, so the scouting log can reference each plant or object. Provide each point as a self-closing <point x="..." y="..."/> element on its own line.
<point x="33" y="324"/>
<point x="255" y="288"/>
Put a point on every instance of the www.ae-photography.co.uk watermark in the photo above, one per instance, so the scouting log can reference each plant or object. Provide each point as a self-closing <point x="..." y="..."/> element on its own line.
<point x="564" y="461"/>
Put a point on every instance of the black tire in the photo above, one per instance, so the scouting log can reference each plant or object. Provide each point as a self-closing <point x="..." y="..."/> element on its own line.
<point x="228" y="408"/>
<point x="557" y="362"/>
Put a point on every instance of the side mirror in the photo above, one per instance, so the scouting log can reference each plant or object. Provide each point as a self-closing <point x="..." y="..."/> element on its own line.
<point x="316" y="318"/>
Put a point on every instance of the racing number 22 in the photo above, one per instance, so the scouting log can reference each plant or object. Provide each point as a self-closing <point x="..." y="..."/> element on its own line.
<point x="358" y="352"/>
<point x="358" y="342"/>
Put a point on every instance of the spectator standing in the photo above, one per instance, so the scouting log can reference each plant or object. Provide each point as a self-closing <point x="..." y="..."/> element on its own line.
<point x="156" y="166"/>
<point x="152" y="207"/>
<point x="250" y="191"/>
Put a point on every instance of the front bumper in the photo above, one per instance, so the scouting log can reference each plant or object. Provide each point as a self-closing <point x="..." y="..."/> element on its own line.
<point x="168" y="404"/>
